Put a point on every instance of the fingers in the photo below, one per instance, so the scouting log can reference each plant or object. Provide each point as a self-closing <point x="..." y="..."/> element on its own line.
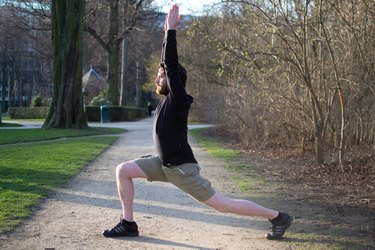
<point x="174" y="10"/>
<point x="173" y="18"/>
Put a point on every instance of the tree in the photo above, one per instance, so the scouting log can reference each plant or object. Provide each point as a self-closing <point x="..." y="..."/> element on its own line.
<point x="117" y="41"/>
<point x="67" y="110"/>
<point x="131" y="9"/>
<point x="25" y="40"/>
<point x="286" y="71"/>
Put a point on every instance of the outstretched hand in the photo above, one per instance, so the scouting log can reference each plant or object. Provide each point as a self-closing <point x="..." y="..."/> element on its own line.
<point x="173" y="18"/>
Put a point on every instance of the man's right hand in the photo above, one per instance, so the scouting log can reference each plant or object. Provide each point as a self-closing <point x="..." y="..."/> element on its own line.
<point x="173" y="18"/>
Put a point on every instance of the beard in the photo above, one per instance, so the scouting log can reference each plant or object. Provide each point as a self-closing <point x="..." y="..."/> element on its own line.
<point x="162" y="90"/>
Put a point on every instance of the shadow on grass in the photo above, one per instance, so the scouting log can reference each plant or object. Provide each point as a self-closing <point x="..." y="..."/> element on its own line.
<point x="31" y="180"/>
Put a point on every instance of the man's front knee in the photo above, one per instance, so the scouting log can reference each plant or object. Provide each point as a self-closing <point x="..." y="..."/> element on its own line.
<point x="122" y="169"/>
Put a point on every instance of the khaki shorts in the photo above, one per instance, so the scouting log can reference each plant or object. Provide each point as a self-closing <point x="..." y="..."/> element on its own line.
<point x="185" y="176"/>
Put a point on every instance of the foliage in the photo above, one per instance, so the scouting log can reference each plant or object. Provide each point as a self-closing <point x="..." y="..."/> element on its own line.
<point x="39" y="101"/>
<point x="28" y="113"/>
<point x="100" y="100"/>
<point x="115" y="113"/>
<point x="288" y="73"/>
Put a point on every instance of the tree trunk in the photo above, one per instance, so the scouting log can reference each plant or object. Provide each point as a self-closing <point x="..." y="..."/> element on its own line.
<point x="138" y="92"/>
<point x="319" y="149"/>
<point x="12" y="83"/>
<point x="318" y="130"/>
<point x="67" y="109"/>
<point x="3" y="96"/>
<point x="124" y="72"/>
<point x="3" y="86"/>
<point x="113" y="54"/>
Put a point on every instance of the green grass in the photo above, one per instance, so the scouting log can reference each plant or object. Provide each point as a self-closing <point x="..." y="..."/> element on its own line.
<point x="7" y="124"/>
<point x="214" y="147"/>
<point x="307" y="232"/>
<point x="8" y="136"/>
<point x="5" y="117"/>
<point x="233" y="160"/>
<point x="29" y="173"/>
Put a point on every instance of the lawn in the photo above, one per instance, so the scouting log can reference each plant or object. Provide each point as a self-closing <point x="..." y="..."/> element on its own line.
<point x="30" y="172"/>
<point x="312" y="229"/>
<point x="8" y="136"/>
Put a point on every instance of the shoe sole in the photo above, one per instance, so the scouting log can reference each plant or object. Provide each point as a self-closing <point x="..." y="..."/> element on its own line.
<point x="129" y="234"/>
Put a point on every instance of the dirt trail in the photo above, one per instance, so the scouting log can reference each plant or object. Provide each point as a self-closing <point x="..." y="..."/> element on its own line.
<point x="75" y="216"/>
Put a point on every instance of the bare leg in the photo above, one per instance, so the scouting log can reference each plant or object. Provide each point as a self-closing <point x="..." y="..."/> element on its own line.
<point x="125" y="172"/>
<point x="242" y="207"/>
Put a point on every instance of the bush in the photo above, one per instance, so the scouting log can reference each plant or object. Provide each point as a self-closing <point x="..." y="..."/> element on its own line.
<point x="92" y="113"/>
<point x="116" y="114"/>
<point x="37" y="102"/>
<point x="28" y="113"/>
<point x="100" y="100"/>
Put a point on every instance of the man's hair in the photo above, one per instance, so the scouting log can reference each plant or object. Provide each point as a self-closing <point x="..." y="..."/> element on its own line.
<point x="181" y="70"/>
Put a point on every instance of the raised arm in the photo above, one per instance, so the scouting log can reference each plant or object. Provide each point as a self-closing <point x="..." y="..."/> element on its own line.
<point x="172" y="20"/>
<point x="172" y="65"/>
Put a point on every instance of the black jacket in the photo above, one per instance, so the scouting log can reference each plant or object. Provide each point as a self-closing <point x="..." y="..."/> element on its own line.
<point x="171" y="115"/>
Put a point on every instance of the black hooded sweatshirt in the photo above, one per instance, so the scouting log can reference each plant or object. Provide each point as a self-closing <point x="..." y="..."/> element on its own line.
<point x="171" y="115"/>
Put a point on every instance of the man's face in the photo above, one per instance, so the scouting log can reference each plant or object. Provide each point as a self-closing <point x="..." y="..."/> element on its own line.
<point x="161" y="82"/>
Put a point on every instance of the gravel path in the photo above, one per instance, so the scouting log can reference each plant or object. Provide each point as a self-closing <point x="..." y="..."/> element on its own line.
<point x="75" y="216"/>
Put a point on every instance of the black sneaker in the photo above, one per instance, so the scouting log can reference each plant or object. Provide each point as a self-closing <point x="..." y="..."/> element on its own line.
<point x="279" y="227"/>
<point x="123" y="228"/>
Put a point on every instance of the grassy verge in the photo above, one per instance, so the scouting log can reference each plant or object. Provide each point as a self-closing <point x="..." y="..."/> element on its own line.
<point x="28" y="173"/>
<point x="233" y="160"/>
<point x="311" y="230"/>
<point x="9" y="136"/>
<point x="6" y="125"/>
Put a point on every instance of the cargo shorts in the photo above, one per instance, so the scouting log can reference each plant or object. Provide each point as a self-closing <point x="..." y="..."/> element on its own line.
<point x="185" y="176"/>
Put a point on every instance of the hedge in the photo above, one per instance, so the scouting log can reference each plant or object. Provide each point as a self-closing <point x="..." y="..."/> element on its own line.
<point x="116" y="114"/>
<point x="92" y="113"/>
<point x="28" y="113"/>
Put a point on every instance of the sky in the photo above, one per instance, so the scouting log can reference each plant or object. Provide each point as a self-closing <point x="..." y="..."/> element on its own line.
<point x="186" y="6"/>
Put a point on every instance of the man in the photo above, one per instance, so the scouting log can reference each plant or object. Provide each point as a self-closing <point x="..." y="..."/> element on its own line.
<point x="176" y="162"/>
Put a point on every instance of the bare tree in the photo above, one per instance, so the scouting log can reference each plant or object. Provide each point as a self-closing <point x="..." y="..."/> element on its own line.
<point x="111" y="46"/>
<point x="131" y="9"/>
<point x="118" y="43"/>
<point x="26" y="34"/>
<point x="291" y="71"/>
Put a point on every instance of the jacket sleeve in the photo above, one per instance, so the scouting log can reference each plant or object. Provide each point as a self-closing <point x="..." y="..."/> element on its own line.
<point x="162" y="56"/>
<point x="175" y="84"/>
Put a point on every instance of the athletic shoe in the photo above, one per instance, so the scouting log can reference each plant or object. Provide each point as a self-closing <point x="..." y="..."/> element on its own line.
<point x="279" y="227"/>
<point x="123" y="228"/>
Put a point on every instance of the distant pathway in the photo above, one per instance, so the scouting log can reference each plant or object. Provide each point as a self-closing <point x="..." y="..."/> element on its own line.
<point x="75" y="216"/>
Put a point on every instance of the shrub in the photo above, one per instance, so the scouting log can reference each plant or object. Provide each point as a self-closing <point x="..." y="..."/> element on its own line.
<point x="28" y="113"/>
<point x="92" y="113"/>
<point x="100" y="100"/>
<point x="37" y="102"/>
<point x="116" y="114"/>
